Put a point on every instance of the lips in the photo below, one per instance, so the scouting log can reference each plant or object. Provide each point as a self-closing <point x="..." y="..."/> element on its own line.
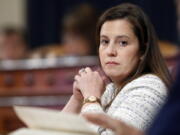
<point x="112" y="63"/>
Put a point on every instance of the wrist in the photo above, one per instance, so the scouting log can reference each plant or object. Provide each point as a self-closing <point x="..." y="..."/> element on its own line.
<point x="73" y="106"/>
<point x="76" y="100"/>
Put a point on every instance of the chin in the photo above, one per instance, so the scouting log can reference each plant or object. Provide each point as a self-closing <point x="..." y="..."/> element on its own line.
<point x="112" y="74"/>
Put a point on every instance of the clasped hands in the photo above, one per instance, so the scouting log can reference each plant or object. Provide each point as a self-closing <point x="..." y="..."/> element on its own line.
<point x="87" y="83"/>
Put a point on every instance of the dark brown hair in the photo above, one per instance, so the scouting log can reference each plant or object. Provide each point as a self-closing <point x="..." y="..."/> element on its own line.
<point x="152" y="61"/>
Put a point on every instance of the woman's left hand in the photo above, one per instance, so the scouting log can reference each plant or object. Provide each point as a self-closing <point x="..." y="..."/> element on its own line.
<point x="90" y="83"/>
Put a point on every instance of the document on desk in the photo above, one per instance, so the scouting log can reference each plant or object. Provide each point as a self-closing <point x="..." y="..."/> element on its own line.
<point x="41" y="121"/>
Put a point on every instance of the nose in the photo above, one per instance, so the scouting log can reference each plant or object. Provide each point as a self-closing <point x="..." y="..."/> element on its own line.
<point x="111" y="50"/>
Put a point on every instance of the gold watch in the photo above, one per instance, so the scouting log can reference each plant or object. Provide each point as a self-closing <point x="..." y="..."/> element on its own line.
<point x="91" y="99"/>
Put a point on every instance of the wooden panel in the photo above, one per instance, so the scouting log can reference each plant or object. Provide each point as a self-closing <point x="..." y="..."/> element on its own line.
<point x="42" y="76"/>
<point x="45" y="83"/>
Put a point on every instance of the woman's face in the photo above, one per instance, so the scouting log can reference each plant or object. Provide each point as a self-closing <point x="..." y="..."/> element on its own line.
<point x="118" y="50"/>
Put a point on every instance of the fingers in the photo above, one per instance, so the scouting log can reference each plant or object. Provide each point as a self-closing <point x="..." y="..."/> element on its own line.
<point x="102" y="120"/>
<point x="76" y="77"/>
<point x="105" y="121"/>
<point x="88" y="70"/>
<point x="75" y="84"/>
<point x="83" y="71"/>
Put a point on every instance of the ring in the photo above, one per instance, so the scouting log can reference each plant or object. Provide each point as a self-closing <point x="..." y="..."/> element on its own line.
<point x="82" y="70"/>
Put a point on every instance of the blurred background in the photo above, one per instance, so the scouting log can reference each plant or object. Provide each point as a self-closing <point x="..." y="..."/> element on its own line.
<point x="43" y="43"/>
<point x="58" y="23"/>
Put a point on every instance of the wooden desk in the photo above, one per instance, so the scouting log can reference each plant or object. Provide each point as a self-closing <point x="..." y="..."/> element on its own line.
<point x="39" y="82"/>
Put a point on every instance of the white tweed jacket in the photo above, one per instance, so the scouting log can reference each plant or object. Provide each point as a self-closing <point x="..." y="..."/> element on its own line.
<point x="136" y="104"/>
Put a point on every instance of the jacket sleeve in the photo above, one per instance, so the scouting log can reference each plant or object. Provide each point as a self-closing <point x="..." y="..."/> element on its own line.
<point x="139" y="101"/>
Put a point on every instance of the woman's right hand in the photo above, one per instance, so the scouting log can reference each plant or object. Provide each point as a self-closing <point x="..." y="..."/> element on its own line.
<point x="75" y="103"/>
<point x="77" y="93"/>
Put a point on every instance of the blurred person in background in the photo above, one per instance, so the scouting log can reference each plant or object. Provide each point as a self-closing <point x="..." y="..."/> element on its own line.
<point x="78" y="30"/>
<point x="171" y="53"/>
<point x="13" y="43"/>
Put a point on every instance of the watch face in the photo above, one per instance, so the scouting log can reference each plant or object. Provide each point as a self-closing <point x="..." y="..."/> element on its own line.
<point x="92" y="98"/>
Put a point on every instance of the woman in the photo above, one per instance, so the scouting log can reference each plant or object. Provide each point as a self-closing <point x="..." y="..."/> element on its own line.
<point x="130" y="57"/>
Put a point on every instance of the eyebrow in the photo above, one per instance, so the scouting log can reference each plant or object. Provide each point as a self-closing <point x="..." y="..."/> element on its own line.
<point x="103" y="36"/>
<point x="119" y="36"/>
<point x="122" y="36"/>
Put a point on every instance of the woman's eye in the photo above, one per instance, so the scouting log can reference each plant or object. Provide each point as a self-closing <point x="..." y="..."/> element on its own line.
<point x="104" y="42"/>
<point x="123" y="43"/>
